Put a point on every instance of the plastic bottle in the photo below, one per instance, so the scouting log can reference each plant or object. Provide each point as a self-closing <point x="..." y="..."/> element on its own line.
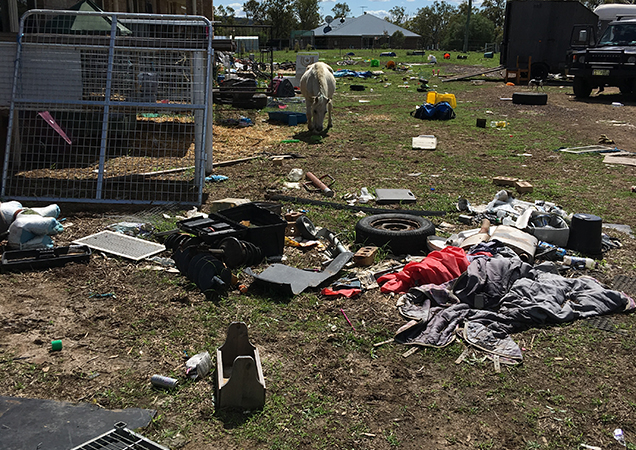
<point x="579" y="263"/>
<point x="561" y="252"/>
<point x="620" y="437"/>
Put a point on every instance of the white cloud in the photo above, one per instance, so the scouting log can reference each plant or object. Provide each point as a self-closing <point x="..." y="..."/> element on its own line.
<point x="381" y="13"/>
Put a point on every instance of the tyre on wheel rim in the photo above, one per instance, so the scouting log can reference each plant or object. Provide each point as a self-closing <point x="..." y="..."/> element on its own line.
<point x="582" y="87"/>
<point x="530" y="98"/>
<point x="401" y="233"/>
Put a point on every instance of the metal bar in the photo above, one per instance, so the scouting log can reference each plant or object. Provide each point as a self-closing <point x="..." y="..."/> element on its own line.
<point x="7" y="150"/>
<point x="119" y="47"/>
<point x="98" y="201"/>
<point x="367" y="209"/>
<point x="109" y="82"/>
<point x="176" y="106"/>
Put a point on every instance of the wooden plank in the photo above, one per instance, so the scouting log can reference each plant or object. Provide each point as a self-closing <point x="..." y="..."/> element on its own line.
<point x="474" y="74"/>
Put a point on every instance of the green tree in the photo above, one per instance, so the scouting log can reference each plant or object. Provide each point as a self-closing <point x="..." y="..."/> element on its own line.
<point x="481" y="31"/>
<point x="255" y="11"/>
<point x="281" y="14"/>
<point x="397" y="39"/>
<point x="495" y="11"/>
<point x="594" y="3"/>
<point x="430" y="22"/>
<point x="308" y="13"/>
<point x="224" y="14"/>
<point x="341" y="11"/>
<point x="397" y="15"/>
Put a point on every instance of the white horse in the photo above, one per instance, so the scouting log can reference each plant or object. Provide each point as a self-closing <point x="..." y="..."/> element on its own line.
<point x="317" y="86"/>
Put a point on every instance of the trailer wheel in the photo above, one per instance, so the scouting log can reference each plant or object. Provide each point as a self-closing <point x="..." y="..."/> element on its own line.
<point x="627" y="87"/>
<point x="582" y="87"/>
<point x="530" y="98"/>
<point x="402" y="233"/>
<point x="540" y="71"/>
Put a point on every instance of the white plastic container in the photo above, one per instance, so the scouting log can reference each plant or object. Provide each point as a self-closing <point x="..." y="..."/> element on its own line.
<point x="425" y="142"/>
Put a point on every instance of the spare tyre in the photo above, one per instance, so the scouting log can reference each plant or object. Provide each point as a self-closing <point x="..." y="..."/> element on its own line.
<point x="530" y="98"/>
<point x="401" y="233"/>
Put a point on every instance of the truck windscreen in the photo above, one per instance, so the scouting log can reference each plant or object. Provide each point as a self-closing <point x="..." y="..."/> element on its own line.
<point x="619" y="34"/>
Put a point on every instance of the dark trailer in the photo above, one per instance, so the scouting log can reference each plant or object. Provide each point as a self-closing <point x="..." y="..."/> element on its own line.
<point x="539" y="31"/>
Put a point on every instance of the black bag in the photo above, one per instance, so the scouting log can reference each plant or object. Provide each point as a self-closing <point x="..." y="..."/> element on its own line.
<point x="438" y="111"/>
<point x="281" y="87"/>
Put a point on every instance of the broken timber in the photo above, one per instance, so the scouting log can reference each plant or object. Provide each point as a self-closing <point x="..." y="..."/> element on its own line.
<point x="470" y="75"/>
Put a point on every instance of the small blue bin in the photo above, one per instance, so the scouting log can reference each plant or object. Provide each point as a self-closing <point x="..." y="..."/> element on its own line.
<point x="289" y="117"/>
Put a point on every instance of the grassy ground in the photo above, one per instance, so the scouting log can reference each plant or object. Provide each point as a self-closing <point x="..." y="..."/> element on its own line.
<point x="328" y="385"/>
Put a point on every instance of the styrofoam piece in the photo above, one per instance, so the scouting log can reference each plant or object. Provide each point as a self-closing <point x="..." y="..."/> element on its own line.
<point x="121" y="245"/>
<point x="425" y="142"/>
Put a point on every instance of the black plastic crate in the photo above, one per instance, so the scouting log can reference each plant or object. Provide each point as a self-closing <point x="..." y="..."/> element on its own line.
<point x="265" y="230"/>
<point x="213" y="228"/>
<point x="43" y="258"/>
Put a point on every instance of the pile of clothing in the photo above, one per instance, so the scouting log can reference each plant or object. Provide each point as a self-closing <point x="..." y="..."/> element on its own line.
<point x="496" y="295"/>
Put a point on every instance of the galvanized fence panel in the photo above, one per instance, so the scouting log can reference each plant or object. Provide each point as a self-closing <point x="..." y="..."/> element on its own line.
<point x="109" y="108"/>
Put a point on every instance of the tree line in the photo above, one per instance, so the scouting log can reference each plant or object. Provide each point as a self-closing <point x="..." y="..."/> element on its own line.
<point x="440" y="25"/>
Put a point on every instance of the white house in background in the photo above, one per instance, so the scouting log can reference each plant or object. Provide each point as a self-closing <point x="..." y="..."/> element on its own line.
<point x="365" y="31"/>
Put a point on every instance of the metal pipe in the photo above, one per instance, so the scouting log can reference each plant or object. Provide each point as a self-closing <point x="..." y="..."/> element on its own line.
<point x="319" y="184"/>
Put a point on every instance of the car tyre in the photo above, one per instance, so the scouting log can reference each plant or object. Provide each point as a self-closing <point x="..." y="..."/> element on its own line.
<point x="530" y="98"/>
<point x="401" y="233"/>
<point x="582" y="87"/>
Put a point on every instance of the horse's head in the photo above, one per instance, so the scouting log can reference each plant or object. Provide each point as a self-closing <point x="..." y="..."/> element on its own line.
<point x="318" y="111"/>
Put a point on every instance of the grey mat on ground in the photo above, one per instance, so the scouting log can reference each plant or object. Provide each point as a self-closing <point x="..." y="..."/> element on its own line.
<point x="604" y="323"/>
<point x="625" y="284"/>
<point x="30" y="423"/>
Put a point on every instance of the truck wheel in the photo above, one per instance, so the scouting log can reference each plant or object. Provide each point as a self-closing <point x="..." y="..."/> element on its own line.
<point x="627" y="87"/>
<point x="540" y="71"/>
<point x="402" y="233"/>
<point x="582" y="87"/>
<point x="530" y="98"/>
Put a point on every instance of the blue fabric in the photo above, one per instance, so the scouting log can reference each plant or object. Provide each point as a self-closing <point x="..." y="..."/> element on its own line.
<point x="352" y="73"/>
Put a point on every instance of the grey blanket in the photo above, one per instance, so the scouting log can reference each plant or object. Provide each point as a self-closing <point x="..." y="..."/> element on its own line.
<point x="514" y="296"/>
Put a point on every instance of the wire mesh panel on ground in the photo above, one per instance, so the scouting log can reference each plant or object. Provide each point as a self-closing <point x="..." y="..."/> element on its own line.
<point x="109" y="108"/>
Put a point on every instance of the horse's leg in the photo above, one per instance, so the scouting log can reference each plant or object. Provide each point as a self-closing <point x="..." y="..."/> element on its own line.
<point x="310" y="121"/>
<point x="329" y="107"/>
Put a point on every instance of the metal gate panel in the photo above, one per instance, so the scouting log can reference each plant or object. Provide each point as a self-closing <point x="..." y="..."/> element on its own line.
<point x="109" y="108"/>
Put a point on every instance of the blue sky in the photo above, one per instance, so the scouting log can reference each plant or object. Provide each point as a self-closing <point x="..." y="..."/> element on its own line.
<point x="379" y="8"/>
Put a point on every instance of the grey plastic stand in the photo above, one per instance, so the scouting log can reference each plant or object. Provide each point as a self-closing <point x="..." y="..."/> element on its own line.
<point x="240" y="382"/>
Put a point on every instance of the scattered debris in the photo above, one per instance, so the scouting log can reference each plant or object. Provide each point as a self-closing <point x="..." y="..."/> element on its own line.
<point x="624" y="158"/>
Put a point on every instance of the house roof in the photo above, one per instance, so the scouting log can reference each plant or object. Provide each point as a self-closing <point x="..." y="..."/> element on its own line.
<point x="364" y="25"/>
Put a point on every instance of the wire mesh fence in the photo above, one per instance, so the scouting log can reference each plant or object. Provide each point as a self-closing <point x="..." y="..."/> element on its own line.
<point x="109" y="108"/>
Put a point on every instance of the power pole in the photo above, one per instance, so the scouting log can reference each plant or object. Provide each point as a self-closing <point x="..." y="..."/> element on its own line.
<point x="470" y="8"/>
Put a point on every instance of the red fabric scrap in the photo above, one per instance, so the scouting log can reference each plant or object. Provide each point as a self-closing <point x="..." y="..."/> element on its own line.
<point x="349" y="293"/>
<point x="437" y="268"/>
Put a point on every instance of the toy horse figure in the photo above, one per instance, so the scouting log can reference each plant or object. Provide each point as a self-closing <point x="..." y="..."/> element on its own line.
<point x="317" y="86"/>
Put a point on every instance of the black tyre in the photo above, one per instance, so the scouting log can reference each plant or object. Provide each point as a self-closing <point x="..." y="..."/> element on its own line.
<point x="627" y="87"/>
<point x="582" y="87"/>
<point x="401" y="233"/>
<point x="540" y="71"/>
<point x="530" y="98"/>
